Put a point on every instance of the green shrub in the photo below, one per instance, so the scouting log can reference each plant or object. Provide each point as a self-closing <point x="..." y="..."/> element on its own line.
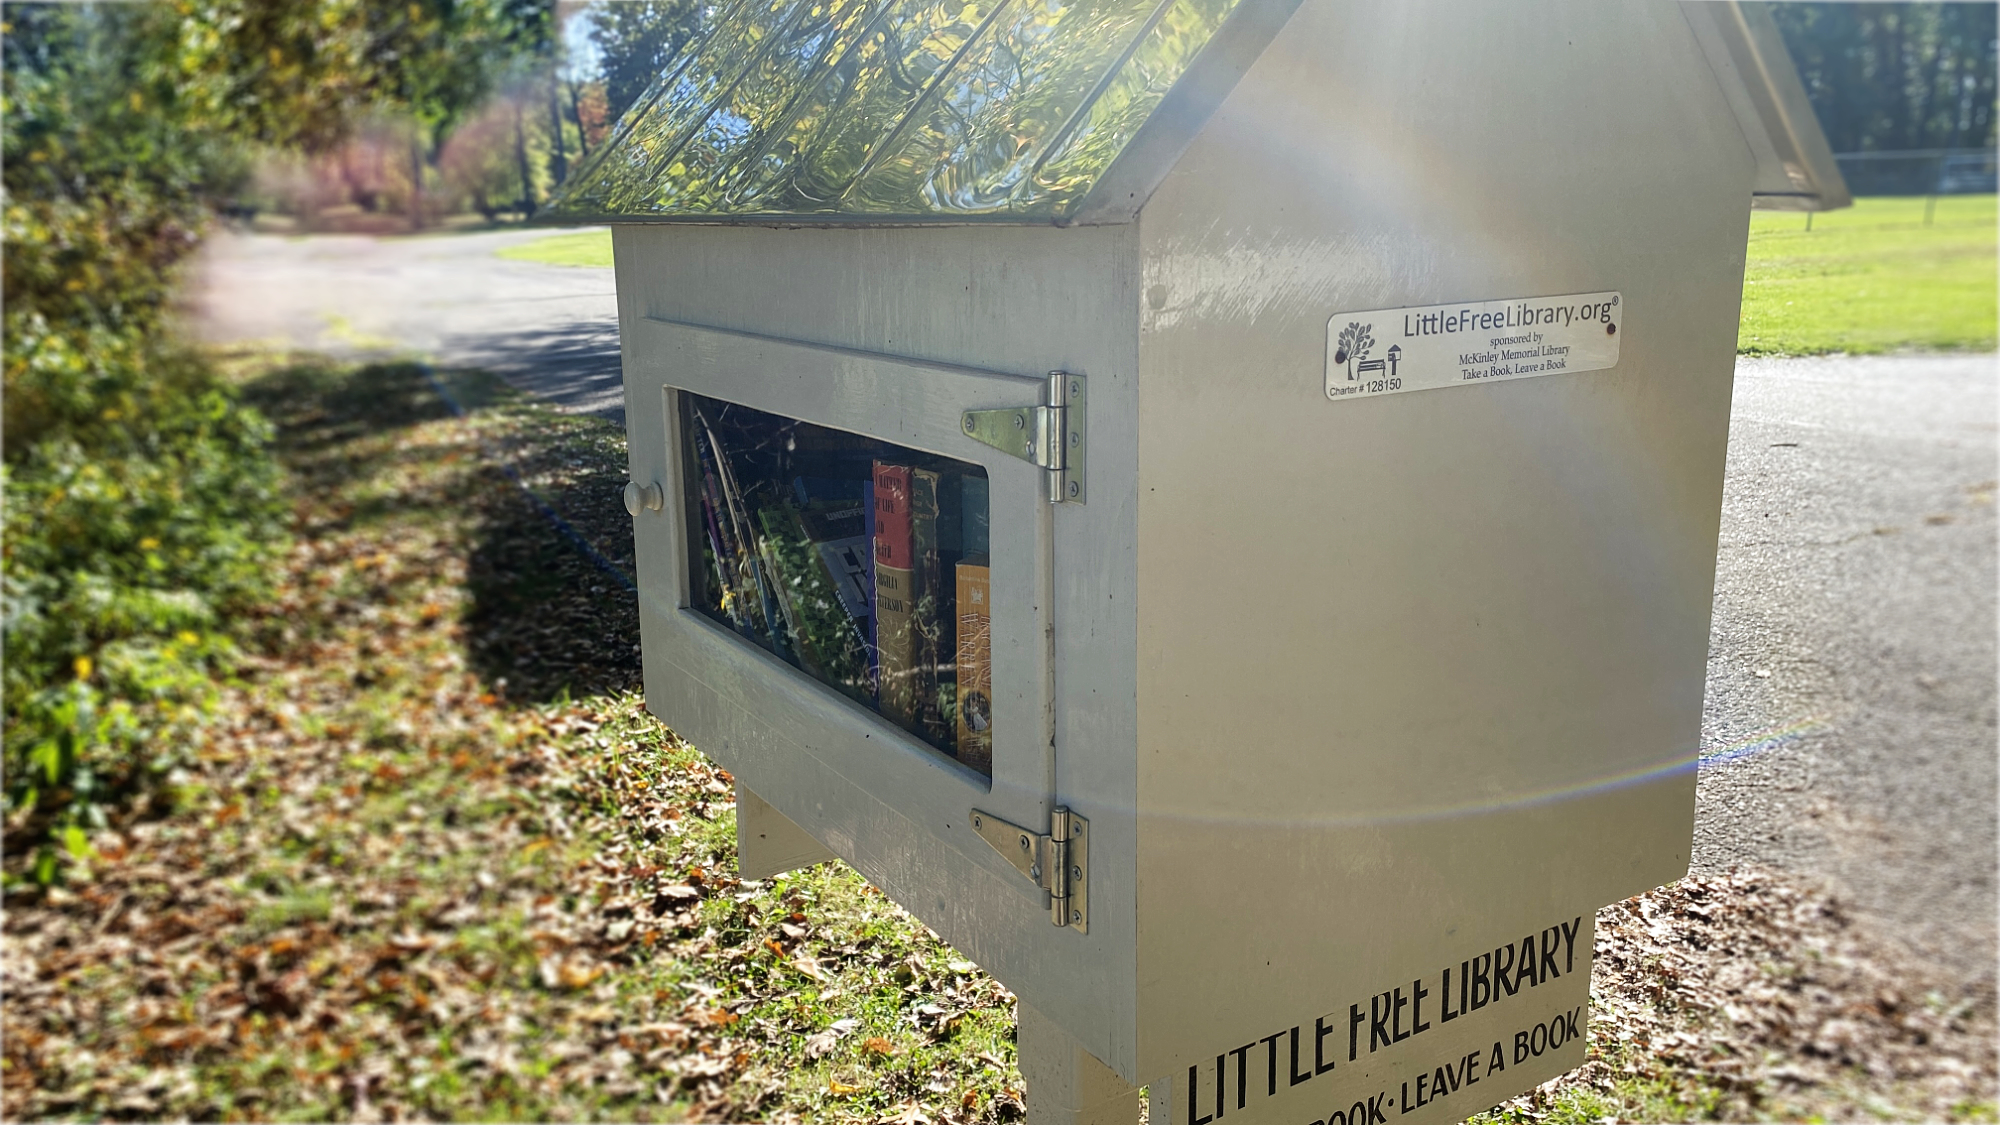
<point x="142" y="510"/>
<point x="141" y="504"/>
<point x="126" y="554"/>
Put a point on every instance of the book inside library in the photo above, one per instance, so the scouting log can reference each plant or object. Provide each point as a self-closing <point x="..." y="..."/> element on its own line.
<point x="859" y="562"/>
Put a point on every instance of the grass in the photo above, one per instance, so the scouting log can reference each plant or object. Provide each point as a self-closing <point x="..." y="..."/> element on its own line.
<point x="433" y="859"/>
<point x="1871" y="278"/>
<point x="580" y="248"/>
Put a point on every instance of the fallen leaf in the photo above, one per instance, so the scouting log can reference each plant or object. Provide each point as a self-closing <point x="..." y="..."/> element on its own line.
<point x="568" y="974"/>
<point x="665" y="897"/>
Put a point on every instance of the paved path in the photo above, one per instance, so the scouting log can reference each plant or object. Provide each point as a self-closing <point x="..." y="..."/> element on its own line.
<point x="549" y="329"/>
<point x="1851" y="692"/>
<point x="1852" y="660"/>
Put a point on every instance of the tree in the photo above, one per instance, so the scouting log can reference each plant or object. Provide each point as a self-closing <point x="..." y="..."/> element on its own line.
<point x="636" y="42"/>
<point x="1884" y="77"/>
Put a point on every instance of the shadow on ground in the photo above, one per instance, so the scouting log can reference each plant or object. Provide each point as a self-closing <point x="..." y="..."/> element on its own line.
<point x="319" y="407"/>
<point x="550" y="609"/>
<point x="574" y="367"/>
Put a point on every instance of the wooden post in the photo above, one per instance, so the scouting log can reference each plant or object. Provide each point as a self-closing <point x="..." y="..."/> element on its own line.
<point x="768" y="843"/>
<point x="1066" y="1084"/>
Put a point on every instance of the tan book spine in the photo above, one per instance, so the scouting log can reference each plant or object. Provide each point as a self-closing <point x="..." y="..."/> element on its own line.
<point x="975" y="666"/>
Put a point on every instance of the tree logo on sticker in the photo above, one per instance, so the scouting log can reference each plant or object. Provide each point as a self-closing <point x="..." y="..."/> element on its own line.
<point x="1352" y="346"/>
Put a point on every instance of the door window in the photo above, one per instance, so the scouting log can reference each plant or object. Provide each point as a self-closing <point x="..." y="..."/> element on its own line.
<point x="860" y="562"/>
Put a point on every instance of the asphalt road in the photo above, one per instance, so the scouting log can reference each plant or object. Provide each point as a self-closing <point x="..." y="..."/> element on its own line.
<point x="1850" y="720"/>
<point x="552" y="330"/>
<point x="1849" y="733"/>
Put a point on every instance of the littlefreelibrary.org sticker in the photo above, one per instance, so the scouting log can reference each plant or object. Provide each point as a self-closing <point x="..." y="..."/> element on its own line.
<point x="1388" y="351"/>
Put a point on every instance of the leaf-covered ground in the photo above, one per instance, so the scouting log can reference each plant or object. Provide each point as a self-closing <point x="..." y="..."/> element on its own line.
<point x="1752" y="997"/>
<point x="436" y="861"/>
<point x="433" y="860"/>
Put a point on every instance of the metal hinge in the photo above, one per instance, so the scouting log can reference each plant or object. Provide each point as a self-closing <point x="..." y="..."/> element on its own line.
<point x="1052" y="436"/>
<point x="1059" y="862"/>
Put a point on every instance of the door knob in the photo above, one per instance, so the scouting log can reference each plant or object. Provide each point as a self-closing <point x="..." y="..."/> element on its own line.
<point x="647" y="497"/>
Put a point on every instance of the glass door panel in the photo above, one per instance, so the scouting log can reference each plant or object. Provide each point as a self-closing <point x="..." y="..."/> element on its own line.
<point x="862" y="563"/>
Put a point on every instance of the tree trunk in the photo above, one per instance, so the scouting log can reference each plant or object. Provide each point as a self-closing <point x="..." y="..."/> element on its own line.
<point x="1899" y="78"/>
<point x="1927" y="96"/>
<point x="521" y="160"/>
<point x="416" y="180"/>
<point x="576" y="111"/>
<point x="558" y="160"/>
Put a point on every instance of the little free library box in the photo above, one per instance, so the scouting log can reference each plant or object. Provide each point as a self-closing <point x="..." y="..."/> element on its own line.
<point x="1210" y="504"/>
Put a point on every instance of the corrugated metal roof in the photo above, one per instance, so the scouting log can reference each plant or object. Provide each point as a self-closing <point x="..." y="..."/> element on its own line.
<point x="795" y="111"/>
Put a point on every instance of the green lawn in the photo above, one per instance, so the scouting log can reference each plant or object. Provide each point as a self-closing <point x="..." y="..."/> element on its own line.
<point x="1871" y="278"/>
<point x="582" y="248"/>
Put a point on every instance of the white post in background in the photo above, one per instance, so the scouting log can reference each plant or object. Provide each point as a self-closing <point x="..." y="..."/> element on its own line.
<point x="1066" y="1084"/>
